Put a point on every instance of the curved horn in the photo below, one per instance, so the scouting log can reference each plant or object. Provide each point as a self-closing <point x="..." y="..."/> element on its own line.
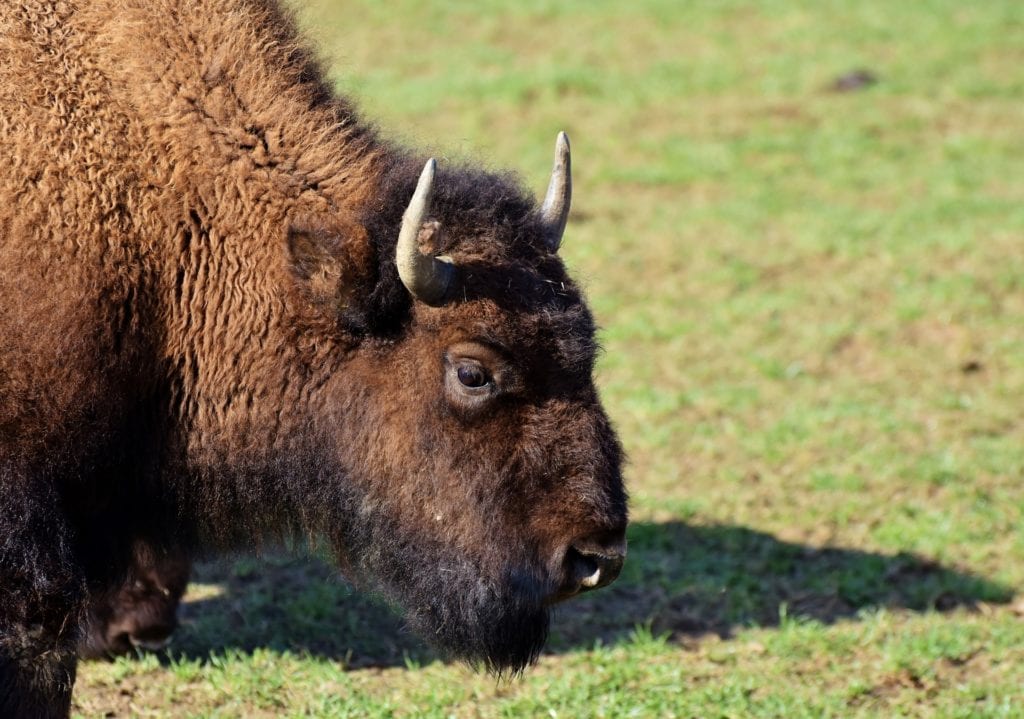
<point x="426" y="277"/>
<point x="555" y="211"/>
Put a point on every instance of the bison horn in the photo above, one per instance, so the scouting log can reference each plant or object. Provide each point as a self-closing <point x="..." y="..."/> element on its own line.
<point x="426" y="277"/>
<point x="555" y="211"/>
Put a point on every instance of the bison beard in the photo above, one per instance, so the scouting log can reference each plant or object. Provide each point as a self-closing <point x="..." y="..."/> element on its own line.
<point x="231" y="312"/>
<point x="500" y="623"/>
<point x="502" y="626"/>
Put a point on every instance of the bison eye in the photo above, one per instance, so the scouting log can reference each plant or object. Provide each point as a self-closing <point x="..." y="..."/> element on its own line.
<point x="472" y="375"/>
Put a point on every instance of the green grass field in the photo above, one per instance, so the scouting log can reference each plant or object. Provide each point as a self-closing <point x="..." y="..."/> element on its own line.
<point x="813" y="313"/>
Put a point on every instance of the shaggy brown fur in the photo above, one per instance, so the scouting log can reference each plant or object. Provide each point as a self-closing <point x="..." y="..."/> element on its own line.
<point x="206" y="342"/>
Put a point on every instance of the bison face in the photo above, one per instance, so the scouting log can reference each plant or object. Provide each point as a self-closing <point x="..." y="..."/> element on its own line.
<point x="142" y="612"/>
<point x="487" y="475"/>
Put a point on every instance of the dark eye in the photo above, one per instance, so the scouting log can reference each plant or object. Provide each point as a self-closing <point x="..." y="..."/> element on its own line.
<point x="472" y="375"/>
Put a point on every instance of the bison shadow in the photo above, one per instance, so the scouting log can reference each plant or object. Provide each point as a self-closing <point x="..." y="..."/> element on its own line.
<point x="681" y="580"/>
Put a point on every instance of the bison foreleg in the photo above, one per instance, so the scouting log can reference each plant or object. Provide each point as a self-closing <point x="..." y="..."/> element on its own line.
<point x="40" y="689"/>
<point x="42" y="593"/>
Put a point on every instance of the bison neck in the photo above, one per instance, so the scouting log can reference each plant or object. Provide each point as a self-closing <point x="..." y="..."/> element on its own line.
<point x="238" y="134"/>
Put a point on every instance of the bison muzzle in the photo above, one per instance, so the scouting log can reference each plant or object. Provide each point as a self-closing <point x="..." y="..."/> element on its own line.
<point x="232" y="312"/>
<point x="141" y="613"/>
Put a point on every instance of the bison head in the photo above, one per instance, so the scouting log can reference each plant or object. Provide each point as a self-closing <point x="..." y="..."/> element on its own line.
<point x="141" y="613"/>
<point x="485" y="475"/>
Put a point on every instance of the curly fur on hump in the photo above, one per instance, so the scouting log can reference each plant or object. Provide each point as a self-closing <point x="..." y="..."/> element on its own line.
<point x="206" y="341"/>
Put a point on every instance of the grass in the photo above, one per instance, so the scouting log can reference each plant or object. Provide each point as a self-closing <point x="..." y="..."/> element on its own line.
<point x="812" y="309"/>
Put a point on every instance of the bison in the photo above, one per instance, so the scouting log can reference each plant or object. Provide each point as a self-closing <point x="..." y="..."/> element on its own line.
<point x="232" y="312"/>
<point x="141" y="613"/>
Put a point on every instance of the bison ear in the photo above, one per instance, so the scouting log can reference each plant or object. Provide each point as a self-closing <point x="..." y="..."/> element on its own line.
<point x="330" y="261"/>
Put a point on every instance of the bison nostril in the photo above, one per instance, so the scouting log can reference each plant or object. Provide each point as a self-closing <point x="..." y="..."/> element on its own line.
<point x="593" y="580"/>
<point x="592" y="563"/>
<point x="582" y="571"/>
<point x="607" y="570"/>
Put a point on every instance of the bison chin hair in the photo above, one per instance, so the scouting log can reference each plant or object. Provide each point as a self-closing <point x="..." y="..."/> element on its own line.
<point x="494" y="620"/>
<point x="499" y="627"/>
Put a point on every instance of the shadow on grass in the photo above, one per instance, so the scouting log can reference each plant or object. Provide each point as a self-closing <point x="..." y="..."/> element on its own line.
<point x="687" y="581"/>
<point x="683" y="580"/>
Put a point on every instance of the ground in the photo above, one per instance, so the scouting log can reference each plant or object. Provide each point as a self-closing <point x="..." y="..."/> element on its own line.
<point x="801" y="226"/>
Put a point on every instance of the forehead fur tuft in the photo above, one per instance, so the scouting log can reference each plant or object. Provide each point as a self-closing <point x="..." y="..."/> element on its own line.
<point x="490" y="224"/>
